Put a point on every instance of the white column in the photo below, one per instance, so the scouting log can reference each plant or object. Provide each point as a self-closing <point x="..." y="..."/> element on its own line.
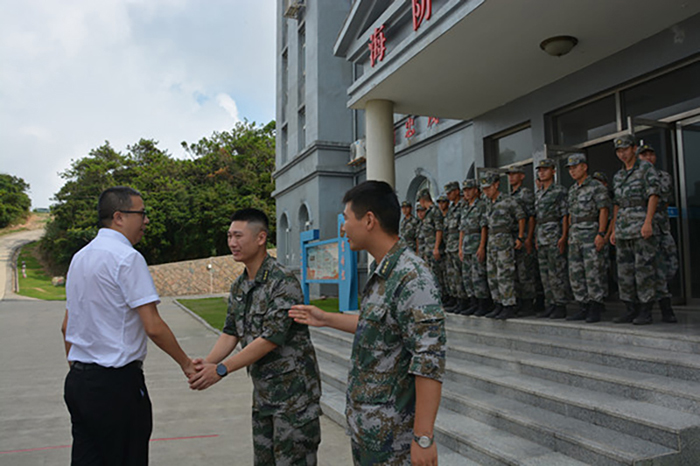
<point x="379" y="119"/>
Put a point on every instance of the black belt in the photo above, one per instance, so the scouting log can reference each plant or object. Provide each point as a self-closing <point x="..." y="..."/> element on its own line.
<point x="473" y="231"/>
<point x="588" y="218"/>
<point x="544" y="220"/>
<point x="88" y="366"/>
<point x="632" y="203"/>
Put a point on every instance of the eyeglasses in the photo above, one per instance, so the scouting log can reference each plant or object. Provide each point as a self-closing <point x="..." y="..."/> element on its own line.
<point x="142" y="212"/>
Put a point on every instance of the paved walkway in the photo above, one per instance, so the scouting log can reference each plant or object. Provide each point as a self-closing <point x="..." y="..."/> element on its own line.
<point x="190" y="428"/>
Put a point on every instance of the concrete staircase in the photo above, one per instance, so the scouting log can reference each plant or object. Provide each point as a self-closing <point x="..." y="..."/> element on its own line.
<point x="540" y="392"/>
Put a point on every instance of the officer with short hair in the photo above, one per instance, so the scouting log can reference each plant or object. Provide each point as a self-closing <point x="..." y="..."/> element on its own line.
<point x="448" y="301"/>
<point x="408" y="229"/>
<point x="420" y="236"/>
<point x="473" y="233"/>
<point x="432" y="231"/>
<point x="453" y="264"/>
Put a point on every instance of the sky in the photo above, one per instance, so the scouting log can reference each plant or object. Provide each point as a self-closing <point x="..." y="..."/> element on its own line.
<point x="77" y="73"/>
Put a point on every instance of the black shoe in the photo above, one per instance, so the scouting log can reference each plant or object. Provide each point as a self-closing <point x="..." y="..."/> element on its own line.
<point x="559" y="312"/>
<point x="526" y="308"/>
<point x="632" y="313"/>
<point x="667" y="314"/>
<point x="539" y="303"/>
<point x="644" y="317"/>
<point x="484" y="308"/>
<point x="507" y="313"/>
<point x="496" y="310"/>
<point x="594" y="310"/>
<point x="470" y="307"/>
<point x="547" y="312"/>
<point x="451" y="305"/>
<point x="582" y="313"/>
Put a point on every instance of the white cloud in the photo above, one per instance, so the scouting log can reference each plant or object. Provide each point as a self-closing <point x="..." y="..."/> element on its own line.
<point x="79" y="72"/>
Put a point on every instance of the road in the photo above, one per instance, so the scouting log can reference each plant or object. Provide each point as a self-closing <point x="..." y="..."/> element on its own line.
<point x="8" y="244"/>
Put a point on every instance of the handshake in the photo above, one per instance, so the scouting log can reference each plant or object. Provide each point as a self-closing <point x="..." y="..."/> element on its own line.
<point x="201" y="374"/>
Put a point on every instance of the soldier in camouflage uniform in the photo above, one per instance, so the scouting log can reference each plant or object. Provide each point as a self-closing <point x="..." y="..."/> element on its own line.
<point x="408" y="229"/>
<point x="276" y="351"/>
<point x="552" y="234"/>
<point x="589" y="208"/>
<point x="610" y="261"/>
<point x="448" y="302"/>
<point x="453" y="264"/>
<point x="473" y="232"/>
<point x="636" y="188"/>
<point x="420" y="236"/>
<point x="504" y="214"/>
<point x="668" y="252"/>
<point x="432" y="229"/>
<point x="398" y="354"/>
<point x="525" y="260"/>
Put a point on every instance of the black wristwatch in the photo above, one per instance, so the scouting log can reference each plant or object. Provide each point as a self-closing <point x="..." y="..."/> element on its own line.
<point x="522" y="240"/>
<point x="601" y="233"/>
<point x="221" y="370"/>
<point x="423" y="441"/>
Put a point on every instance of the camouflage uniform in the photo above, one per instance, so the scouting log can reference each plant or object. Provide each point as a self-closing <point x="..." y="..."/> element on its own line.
<point x="636" y="257"/>
<point x="286" y="382"/>
<point x="400" y="334"/>
<point x="453" y="265"/>
<point x="525" y="264"/>
<point x="432" y="223"/>
<point x="408" y="230"/>
<point x="587" y="266"/>
<point x="501" y="216"/>
<point x="474" y="275"/>
<point x="551" y="207"/>
<point x="668" y="252"/>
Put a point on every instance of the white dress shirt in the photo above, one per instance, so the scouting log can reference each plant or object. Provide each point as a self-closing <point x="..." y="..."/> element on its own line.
<point x="107" y="280"/>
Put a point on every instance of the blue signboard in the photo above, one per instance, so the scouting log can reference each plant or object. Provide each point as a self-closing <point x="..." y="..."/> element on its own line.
<point x="330" y="261"/>
<point x="673" y="212"/>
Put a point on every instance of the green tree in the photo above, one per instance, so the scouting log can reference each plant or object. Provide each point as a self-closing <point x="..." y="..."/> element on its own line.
<point x="14" y="200"/>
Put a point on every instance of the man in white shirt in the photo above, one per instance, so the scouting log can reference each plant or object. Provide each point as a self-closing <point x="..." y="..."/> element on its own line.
<point x="110" y="310"/>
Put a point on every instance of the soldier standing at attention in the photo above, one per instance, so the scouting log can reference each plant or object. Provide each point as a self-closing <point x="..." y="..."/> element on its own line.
<point x="636" y="188"/>
<point x="432" y="234"/>
<point x="552" y="236"/>
<point x="668" y="252"/>
<point x="398" y="354"/>
<point x="448" y="302"/>
<point x="276" y="350"/>
<point x="420" y="236"/>
<point x="473" y="232"/>
<point x="504" y="215"/>
<point x="525" y="262"/>
<point x="589" y="208"/>
<point x="408" y="230"/>
<point x="453" y="264"/>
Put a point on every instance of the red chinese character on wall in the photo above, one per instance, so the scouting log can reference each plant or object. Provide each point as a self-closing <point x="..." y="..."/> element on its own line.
<point x="410" y="127"/>
<point x="377" y="45"/>
<point x="433" y="121"/>
<point x="421" y="11"/>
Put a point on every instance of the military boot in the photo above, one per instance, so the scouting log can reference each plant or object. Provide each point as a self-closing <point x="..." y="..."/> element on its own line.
<point x="507" y="313"/>
<point x="525" y="308"/>
<point x="496" y="310"/>
<point x="484" y="307"/>
<point x="632" y="313"/>
<point x="470" y="307"/>
<point x="547" y="312"/>
<point x="449" y="304"/>
<point x="559" y="312"/>
<point x="667" y="314"/>
<point x="582" y="313"/>
<point x="594" y="310"/>
<point x="644" y="317"/>
<point x="539" y="303"/>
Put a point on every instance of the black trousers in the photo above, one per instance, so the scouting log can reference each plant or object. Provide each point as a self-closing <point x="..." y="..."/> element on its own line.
<point x="110" y="415"/>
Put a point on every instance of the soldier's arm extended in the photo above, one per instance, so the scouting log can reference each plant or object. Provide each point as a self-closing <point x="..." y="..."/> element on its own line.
<point x="315" y="317"/>
<point x="647" y="228"/>
<point x="428" y="394"/>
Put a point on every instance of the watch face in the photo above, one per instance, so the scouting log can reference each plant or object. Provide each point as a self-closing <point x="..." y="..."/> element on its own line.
<point x="221" y="370"/>
<point x="424" y="442"/>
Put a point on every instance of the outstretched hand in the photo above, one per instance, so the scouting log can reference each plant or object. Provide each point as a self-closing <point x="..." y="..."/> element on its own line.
<point x="308" y="315"/>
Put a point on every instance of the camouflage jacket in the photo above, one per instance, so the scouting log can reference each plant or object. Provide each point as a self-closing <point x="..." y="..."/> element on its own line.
<point x="473" y="220"/>
<point x="287" y="378"/>
<point x="408" y="230"/>
<point x="632" y="189"/>
<point x="400" y="334"/>
<point x="451" y="232"/>
<point x="585" y="202"/>
<point x="550" y="207"/>
<point x="526" y="199"/>
<point x="665" y="199"/>
<point x="432" y="223"/>
<point x="502" y="218"/>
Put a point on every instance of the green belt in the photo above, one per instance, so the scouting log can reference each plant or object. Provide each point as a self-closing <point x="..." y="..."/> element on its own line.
<point x="548" y="220"/>
<point x="493" y="231"/>
<point x="473" y="231"/>
<point x="624" y="203"/>
<point x="587" y="218"/>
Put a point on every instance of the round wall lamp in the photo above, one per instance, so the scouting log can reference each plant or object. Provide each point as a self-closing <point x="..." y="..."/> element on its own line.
<point x="558" y="45"/>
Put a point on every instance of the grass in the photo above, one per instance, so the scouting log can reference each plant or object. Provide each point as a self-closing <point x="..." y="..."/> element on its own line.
<point x="213" y="310"/>
<point x="38" y="282"/>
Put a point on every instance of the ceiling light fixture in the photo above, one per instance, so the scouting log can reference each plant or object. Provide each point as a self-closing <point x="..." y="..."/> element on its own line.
<point x="558" y="46"/>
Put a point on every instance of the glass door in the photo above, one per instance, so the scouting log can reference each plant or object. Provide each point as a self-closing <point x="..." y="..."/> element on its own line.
<point x="688" y="135"/>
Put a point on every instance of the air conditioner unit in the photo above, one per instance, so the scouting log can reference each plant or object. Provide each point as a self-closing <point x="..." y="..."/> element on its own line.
<point x="293" y="8"/>
<point x="358" y="152"/>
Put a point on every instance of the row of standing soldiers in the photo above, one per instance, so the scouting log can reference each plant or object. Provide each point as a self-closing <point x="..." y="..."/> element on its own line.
<point x="494" y="253"/>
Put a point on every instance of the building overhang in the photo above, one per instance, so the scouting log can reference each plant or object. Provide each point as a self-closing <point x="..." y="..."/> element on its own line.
<point x="474" y="56"/>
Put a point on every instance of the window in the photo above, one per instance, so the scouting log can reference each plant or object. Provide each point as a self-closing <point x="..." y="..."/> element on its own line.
<point x="284" y="150"/>
<point x="302" y="129"/>
<point x="510" y="147"/>
<point x="585" y="123"/>
<point x="301" y="61"/>
<point x="285" y="84"/>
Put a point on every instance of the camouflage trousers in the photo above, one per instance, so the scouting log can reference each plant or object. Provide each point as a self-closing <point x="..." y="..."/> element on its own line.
<point x="279" y="441"/>
<point x="474" y="277"/>
<point x="668" y="263"/>
<point x="637" y="274"/>
<point x="453" y="275"/>
<point x="555" y="277"/>
<point x="500" y="265"/>
<point x="437" y="266"/>
<point x="525" y="265"/>
<point x="362" y="457"/>
<point x="588" y="273"/>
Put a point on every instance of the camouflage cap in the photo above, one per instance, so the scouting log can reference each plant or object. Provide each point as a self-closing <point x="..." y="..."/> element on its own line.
<point x="600" y="176"/>
<point x="443" y="198"/>
<point x="645" y="148"/>
<point x="470" y="183"/>
<point x="487" y="179"/>
<point x="406" y="204"/>
<point x="518" y="169"/>
<point x="452" y="185"/>
<point x="546" y="163"/>
<point x="575" y="159"/>
<point x="625" y="140"/>
<point x="419" y="206"/>
<point x="425" y="194"/>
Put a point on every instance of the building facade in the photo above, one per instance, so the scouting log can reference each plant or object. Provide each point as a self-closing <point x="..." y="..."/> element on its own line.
<point x="423" y="92"/>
